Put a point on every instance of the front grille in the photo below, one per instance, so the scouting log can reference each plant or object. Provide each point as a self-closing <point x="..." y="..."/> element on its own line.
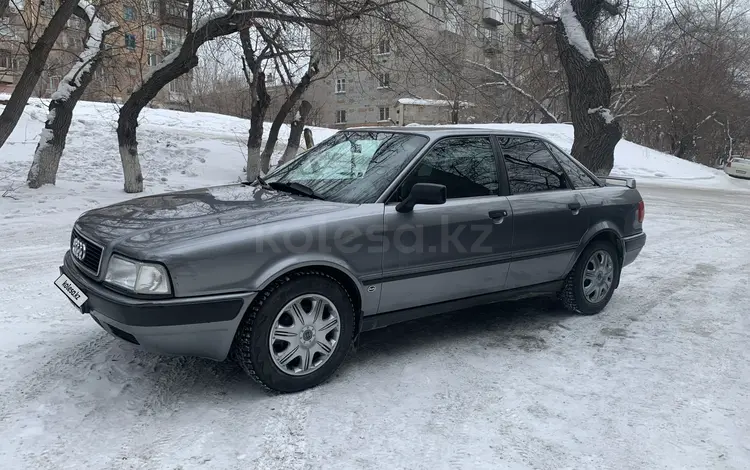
<point x="92" y="257"/>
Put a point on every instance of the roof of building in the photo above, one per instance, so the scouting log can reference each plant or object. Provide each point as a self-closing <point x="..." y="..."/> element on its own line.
<point x="428" y="102"/>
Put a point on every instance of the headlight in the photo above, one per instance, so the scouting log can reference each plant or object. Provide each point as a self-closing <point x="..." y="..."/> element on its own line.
<point x="141" y="278"/>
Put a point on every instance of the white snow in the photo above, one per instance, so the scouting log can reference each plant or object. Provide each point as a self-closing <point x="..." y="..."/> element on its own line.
<point x="659" y="380"/>
<point x="168" y="59"/>
<point x="605" y="113"/>
<point x="575" y="32"/>
<point x="425" y="102"/>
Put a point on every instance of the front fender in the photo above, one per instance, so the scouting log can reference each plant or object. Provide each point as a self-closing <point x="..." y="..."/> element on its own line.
<point x="265" y="276"/>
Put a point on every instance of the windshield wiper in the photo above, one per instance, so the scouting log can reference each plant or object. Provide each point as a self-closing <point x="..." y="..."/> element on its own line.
<point x="296" y="188"/>
<point x="262" y="182"/>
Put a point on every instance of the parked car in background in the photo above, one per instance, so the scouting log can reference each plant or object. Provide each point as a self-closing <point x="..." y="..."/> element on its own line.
<point x="738" y="167"/>
<point x="372" y="227"/>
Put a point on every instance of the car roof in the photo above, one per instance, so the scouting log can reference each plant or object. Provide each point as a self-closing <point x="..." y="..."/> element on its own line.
<point x="439" y="131"/>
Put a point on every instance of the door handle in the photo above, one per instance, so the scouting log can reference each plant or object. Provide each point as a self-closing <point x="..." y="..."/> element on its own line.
<point x="498" y="216"/>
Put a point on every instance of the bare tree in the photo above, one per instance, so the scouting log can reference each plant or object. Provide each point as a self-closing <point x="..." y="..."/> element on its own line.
<point x="286" y="108"/>
<point x="52" y="140"/>
<point x="596" y="131"/>
<point x="35" y="65"/>
<point x="182" y="60"/>
<point x="295" y="132"/>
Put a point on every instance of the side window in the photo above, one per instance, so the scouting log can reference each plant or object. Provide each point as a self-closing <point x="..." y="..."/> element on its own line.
<point x="530" y="166"/>
<point x="579" y="177"/>
<point x="465" y="165"/>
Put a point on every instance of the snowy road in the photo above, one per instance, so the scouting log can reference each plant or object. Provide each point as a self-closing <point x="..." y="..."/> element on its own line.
<point x="661" y="379"/>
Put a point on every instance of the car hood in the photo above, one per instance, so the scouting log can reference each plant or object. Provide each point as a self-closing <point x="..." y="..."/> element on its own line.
<point x="164" y="219"/>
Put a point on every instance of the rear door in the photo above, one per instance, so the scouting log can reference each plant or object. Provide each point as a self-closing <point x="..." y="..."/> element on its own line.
<point x="549" y="216"/>
<point x="462" y="248"/>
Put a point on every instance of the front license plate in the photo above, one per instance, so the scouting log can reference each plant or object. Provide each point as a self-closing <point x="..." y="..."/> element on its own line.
<point x="741" y="172"/>
<point x="71" y="290"/>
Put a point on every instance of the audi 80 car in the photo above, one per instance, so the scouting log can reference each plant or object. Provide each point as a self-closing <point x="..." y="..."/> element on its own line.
<point x="371" y="227"/>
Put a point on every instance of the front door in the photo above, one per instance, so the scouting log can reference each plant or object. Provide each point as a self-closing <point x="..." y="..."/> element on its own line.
<point x="549" y="219"/>
<point x="454" y="250"/>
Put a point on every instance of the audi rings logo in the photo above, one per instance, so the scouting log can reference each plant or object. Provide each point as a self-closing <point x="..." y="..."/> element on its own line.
<point x="78" y="248"/>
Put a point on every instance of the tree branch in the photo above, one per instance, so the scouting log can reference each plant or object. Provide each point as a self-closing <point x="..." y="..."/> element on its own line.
<point x="551" y="117"/>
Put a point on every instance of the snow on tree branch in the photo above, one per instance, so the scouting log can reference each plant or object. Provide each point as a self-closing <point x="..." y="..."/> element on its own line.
<point x="605" y="113"/>
<point x="96" y="32"/>
<point x="575" y="32"/>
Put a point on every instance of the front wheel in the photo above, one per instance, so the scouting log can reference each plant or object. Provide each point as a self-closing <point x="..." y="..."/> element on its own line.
<point x="297" y="333"/>
<point x="590" y="285"/>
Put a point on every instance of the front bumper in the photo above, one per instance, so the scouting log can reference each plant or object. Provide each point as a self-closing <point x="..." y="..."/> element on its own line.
<point x="194" y="326"/>
<point x="633" y="246"/>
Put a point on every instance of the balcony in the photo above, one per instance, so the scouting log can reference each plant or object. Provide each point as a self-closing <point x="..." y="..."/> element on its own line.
<point x="492" y="15"/>
<point x="174" y="13"/>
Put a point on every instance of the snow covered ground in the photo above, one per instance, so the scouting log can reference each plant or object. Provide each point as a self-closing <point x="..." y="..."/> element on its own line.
<point x="661" y="379"/>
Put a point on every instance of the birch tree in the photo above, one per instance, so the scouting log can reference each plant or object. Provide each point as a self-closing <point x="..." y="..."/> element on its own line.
<point x="37" y="58"/>
<point x="52" y="140"/>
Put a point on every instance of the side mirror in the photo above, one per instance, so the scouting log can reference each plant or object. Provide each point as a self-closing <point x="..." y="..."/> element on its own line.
<point x="423" y="193"/>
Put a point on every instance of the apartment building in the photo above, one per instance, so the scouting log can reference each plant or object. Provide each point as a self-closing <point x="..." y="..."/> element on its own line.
<point x="148" y="30"/>
<point x="427" y="81"/>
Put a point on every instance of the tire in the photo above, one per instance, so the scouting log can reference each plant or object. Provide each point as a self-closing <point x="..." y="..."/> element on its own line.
<point x="254" y="349"/>
<point x="576" y="294"/>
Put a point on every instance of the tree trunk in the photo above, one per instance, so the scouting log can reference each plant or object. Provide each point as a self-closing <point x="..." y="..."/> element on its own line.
<point x="309" y="142"/>
<point x="261" y="102"/>
<point x="52" y="141"/>
<point x="291" y="101"/>
<point x="3" y="6"/>
<point x="34" y="68"/>
<point x="295" y="133"/>
<point x="596" y="132"/>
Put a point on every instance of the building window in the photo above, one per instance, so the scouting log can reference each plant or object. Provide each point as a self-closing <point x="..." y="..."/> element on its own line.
<point x="153" y="7"/>
<point x="174" y="86"/>
<point x="384" y="80"/>
<point x="519" y="19"/>
<point x="130" y="41"/>
<point x="152" y="33"/>
<point x="340" y="116"/>
<point x="340" y="85"/>
<point x="432" y="9"/>
<point x="6" y="61"/>
<point x="385" y="113"/>
<point x="153" y="60"/>
<point x="175" y="9"/>
<point x="340" y="53"/>
<point x="384" y="47"/>
<point x="129" y="14"/>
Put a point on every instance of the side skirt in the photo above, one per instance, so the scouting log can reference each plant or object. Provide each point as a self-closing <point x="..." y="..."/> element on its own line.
<point x="381" y="320"/>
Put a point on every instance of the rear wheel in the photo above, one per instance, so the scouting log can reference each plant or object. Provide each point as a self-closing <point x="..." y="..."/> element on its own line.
<point x="590" y="285"/>
<point x="297" y="332"/>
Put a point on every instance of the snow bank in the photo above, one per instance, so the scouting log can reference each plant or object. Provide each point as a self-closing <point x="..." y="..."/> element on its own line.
<point x="178" y="151"/>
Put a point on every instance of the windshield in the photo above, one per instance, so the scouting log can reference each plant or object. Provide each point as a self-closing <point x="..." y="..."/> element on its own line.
<point x="351" y="166"/>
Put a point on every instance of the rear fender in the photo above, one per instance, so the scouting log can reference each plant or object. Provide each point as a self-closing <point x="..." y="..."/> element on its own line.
<point x="603" y="227"/>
